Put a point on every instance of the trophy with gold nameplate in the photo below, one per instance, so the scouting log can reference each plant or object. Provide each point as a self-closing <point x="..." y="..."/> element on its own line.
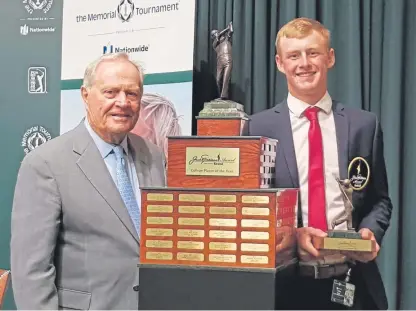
<point x="218" y="235"/>
<point x="348" y="240"/>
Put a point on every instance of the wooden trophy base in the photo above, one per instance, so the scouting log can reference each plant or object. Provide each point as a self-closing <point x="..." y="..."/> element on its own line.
<point x="226" y="126"/>
<point x="344" y="240"/>
<point x="218" y="227"/>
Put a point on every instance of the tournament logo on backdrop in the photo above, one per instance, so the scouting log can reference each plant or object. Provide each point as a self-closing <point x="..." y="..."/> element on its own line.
<point x="37" y="5"/>
<point x="125" y="10"/>
<point x="34" y="137"/>
<point x="36" y="80"/>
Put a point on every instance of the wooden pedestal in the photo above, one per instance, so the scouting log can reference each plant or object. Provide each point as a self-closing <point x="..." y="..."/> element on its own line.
<point x="217" y="227"/>
<point x="226" y="126"/>
<point x="221" y="162"/>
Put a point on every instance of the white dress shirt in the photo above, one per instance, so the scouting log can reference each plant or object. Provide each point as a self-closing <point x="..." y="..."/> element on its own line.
<point x="300" y="129"/>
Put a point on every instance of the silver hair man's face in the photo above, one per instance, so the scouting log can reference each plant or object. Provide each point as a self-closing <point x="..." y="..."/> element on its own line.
<point x="113" y="98"/>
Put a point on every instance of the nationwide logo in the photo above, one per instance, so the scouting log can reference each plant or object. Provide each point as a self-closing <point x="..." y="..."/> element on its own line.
<point x="36" y="80"/>
<point x="109" y="49"/>
<point x="32" y="6"/>
<point x="25" y="30"/>
<point x="34" y="137"/>
<point x="126" y="10"/>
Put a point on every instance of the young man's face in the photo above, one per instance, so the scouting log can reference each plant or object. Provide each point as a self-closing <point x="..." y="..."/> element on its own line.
<point x="305" y="62"/>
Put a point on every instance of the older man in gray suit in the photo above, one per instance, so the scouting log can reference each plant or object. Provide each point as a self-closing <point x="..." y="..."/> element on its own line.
<point x="76" y="211"/>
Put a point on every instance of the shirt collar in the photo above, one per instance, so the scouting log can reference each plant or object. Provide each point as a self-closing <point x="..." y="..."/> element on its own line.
<point x="103" y="147"/>
<point x="297" y="107"/>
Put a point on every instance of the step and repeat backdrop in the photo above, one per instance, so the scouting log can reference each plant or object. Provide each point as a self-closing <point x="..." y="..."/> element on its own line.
<point x="46" y="46"/>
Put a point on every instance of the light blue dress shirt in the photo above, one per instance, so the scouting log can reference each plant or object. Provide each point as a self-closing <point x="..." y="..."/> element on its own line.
<point x="110" y="160"/>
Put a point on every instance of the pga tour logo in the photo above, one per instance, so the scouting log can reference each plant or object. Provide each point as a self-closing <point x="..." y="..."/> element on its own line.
<point x="36" y="77"/>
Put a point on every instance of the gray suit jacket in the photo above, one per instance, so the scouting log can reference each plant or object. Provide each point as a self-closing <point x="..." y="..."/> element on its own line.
<point x="73" y="244"/>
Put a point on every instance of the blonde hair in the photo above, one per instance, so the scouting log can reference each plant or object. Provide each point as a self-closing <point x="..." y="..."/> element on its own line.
<point x="300" y="28"/>
<point x="160" y="115"/>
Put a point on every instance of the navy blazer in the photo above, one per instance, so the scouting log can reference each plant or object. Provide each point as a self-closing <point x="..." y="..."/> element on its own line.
<point x="358" y="134"/>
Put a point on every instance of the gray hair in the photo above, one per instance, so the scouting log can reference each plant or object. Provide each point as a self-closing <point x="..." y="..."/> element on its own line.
<point x="89" y="74"/>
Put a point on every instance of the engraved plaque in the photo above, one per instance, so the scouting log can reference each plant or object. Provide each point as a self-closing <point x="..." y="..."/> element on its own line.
<point x="254" y="235"/>
<point x="191" y="209"/>
<point x="254" y="259"/>
<point x="255" y="199"/>
<point x="190" y="233"/>
<point x="191" y="221"/>
<point x="254" y="223"/>
<point x="159" y="208"/>
<point x="159" y="244"/>
<point x="223" y="222"/>
<point x="159" y="232"/>
<point x="221" y="258"/>
<point x="256" y="211"/>
<point x="159" y="220"/>
<point x="223" y="198"/>
<point x="160" y="197"/>
<point x="192" y="197"/>
<point x="204" y="161"/>
<point x="190" y="245"/>
<point x="190" y="256"/>
<point x="159" y="255"/>
<point x="221" y="234"/>
<point x="222" y="210"/>
<point x="223" y="246"/>
<point x="254" y="247"/>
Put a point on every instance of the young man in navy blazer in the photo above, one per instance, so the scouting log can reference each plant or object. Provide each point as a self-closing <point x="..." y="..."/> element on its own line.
<point x="319" y="138"/>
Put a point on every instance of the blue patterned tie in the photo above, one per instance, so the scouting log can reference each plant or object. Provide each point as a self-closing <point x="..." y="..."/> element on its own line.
<point x="126" y="189"/>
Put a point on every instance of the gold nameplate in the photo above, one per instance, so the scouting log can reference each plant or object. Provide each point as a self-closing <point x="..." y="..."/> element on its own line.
<point x="159" y="255"/>
<point x="190" y="245"/>
<point x="203" y="161"/>
<point x="191" y="221"/>
<point x="159" y="232"/>
<point x="221" y="258"/>
<point x="219" y="222"/>
<point x="159" y="220"/>
<point x="223" y="198"/>
<point x="255" y="199"/>
<point x="189" y="233"/>
<point x="191" y="209"/>
<point x="254" y="223"/>
<point x="222" y="210"/>
<point x="253" y="247"/>
<point x="220" y="234"/>
<point x="256" y="211"/>
<point x="254" y="259"/>
<point x="254" y="235"/>
<point x="223" y="246"/>
<point x="159" y="244"/>
<point x="160" y="197"/>
<point x="192" y="197"/>
<point x="348" y="244"/>
<point x="190" y="256"/>
<point x="159" y="208"/>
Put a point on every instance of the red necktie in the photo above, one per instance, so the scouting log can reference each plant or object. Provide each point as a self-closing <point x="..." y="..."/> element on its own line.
<point x="316" y="184"/>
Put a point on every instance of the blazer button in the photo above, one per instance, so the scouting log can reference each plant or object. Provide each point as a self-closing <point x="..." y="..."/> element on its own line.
<point x="136" y="288"/>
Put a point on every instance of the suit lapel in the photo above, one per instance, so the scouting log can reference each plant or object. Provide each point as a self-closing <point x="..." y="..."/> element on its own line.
<point x="342" y="130"/>
<point x="92" y="165"/>
<point x="285" y="137"/>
